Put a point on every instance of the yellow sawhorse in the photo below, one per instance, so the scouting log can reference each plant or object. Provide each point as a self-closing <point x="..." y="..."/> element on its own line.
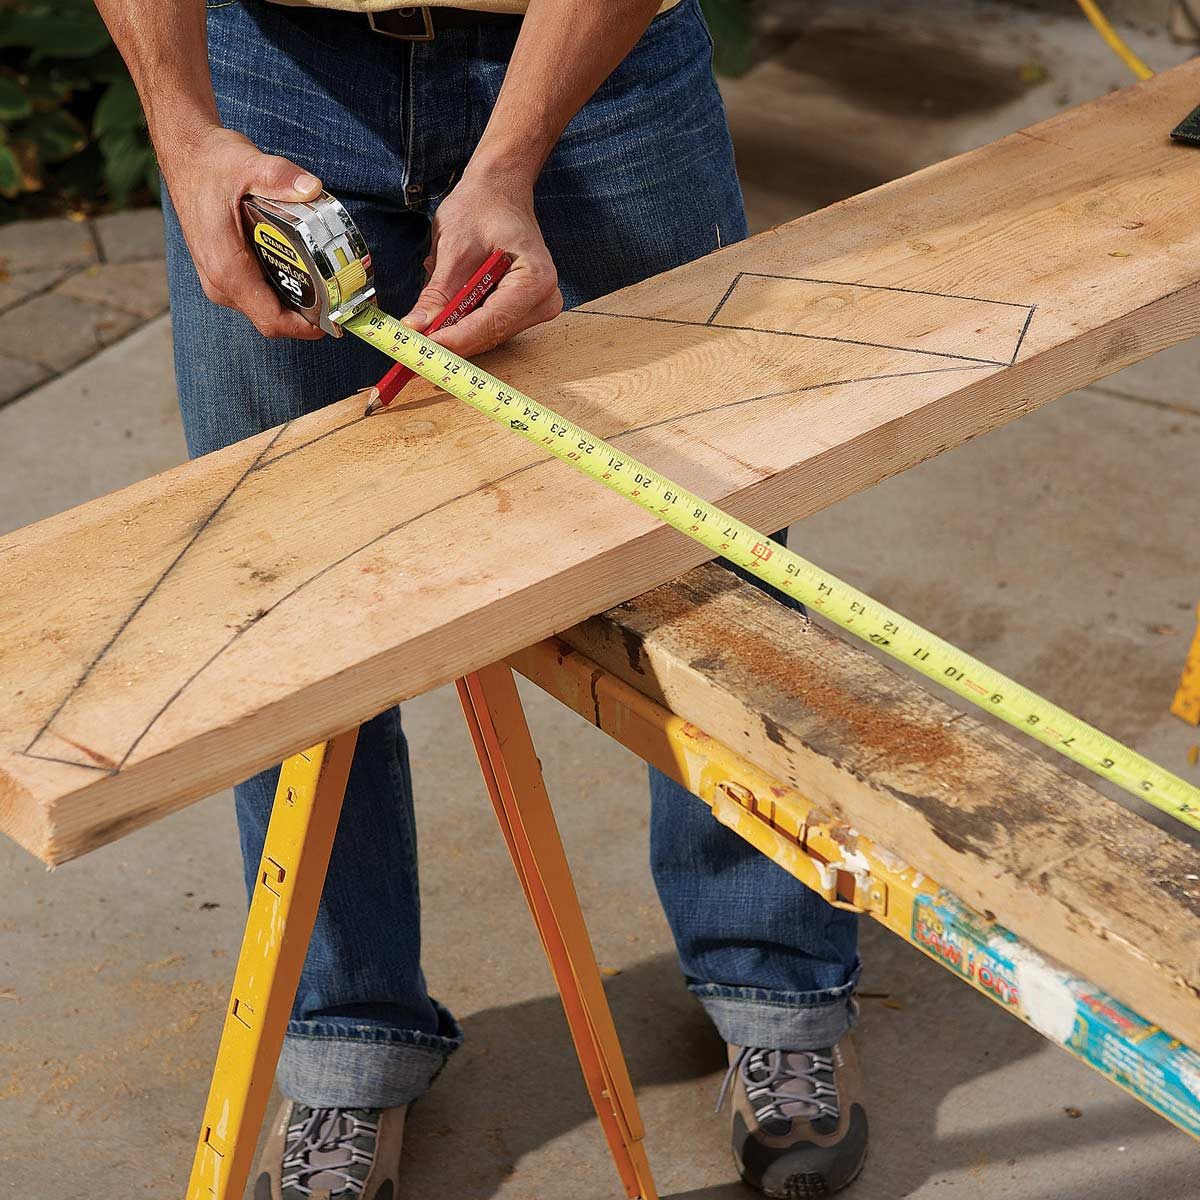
<point x="1187" y="697"/>
<point x="780" y="822"/>
<point x="283" y="909"/>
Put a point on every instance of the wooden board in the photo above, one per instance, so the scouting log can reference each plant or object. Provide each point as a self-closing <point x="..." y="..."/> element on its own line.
<point x="1072" y="872"/>
<point x="168" y="639"/>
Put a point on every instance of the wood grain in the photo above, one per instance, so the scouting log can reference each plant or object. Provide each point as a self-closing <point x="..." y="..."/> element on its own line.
<point x="1072" y="872"/>
<point x="163" y="641"/>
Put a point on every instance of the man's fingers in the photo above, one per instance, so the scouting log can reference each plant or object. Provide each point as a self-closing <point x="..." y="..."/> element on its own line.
<point x="240" y="278"/>
<point x="279" y="179"/>
<point x="290" y="325"/>
<point x="450" y="271"/>
<point x="273" y="320"/>
<point x="550" y="308"/>
<point x="504" y="314"/>
<point x="242" y="287"/>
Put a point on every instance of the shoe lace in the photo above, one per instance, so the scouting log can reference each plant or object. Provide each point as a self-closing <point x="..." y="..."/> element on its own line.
<point x="782" y="1085"/>
<point x="321" y="1152"/>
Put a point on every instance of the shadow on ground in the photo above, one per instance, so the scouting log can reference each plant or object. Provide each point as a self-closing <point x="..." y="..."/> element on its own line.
<point x="902" y="72"/>
<point x="514" y="1089"/>
<point x="838" y="109"/>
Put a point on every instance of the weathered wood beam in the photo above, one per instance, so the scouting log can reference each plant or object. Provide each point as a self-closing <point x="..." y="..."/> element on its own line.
<point x="164" y="641"/>
<point x="1074" y="873"/>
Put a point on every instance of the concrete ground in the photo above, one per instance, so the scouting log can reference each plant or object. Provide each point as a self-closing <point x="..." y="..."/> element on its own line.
<point x="95" y="280"/>
<point x="1062" y="549"/>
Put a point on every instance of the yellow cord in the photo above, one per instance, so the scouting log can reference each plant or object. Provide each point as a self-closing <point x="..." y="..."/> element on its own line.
<point x="1115" y="42"/>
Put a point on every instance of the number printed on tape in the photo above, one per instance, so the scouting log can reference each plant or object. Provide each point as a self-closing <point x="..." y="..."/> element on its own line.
<point x="781" y="567"/>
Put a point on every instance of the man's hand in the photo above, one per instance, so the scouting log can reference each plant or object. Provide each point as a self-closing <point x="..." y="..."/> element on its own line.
<point x="475" y="219"/>
<point x="207" y="181"/>
<point x="565" y="50"/>
<point x="208" y="169"/>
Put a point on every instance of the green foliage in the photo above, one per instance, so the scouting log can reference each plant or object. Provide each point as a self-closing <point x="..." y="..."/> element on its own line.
<point x="72" y="133"/>
<point x="732" y="34"/>
<point x="120" y="128"/>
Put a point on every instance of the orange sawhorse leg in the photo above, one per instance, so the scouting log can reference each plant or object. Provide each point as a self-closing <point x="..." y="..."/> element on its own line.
<point x="283" y="910"/>
<point x="514" y="780"/>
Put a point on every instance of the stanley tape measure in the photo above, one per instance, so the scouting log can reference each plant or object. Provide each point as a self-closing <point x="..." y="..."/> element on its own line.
<point x="313" y="256"/>
<point x="318" y="263"/>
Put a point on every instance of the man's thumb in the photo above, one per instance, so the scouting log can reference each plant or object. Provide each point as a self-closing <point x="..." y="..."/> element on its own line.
<point x="278" y="179"/>
<point x="430" y="302"/>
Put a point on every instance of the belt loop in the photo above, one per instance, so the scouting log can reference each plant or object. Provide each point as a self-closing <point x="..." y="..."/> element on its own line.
<point x="380" y="21"/>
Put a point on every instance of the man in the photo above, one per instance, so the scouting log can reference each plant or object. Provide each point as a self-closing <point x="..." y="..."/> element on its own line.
<point x="587" y="140"/>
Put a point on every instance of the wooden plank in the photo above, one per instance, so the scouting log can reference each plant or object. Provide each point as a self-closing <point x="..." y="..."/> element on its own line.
<point x="160" y="642"/>
<point x="1074" y="873"/>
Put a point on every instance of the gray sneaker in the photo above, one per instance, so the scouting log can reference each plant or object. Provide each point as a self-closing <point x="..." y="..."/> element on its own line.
<point x="331" y="1154"/>
<point x="799" y="1127"/>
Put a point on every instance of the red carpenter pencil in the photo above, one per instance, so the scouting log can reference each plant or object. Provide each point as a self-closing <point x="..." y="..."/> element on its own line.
<point x="468" y="298"/>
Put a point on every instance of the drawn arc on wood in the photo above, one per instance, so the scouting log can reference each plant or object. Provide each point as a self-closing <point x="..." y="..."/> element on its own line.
<point x="999" y="348"/>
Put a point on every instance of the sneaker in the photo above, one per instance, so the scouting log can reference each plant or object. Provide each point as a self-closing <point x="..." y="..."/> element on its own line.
<point x="331" y="1154"/>
<point x="799" y="1128"/>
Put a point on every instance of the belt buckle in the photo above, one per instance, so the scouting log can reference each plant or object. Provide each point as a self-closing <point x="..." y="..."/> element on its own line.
<point x="426" y="35"/>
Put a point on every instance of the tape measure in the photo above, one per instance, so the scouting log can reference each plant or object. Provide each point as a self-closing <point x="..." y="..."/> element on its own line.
<point x="312" y="256"/>
<point x="736" y="541"/>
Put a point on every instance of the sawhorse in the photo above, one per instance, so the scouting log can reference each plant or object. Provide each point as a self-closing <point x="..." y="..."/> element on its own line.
<point x="283" y="909"/>
<point x="1132" y="1052"/>
<point x="1186" y="704"/>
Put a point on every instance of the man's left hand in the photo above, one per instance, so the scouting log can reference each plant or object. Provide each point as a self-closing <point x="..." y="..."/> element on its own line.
<point x="476" y="219"/>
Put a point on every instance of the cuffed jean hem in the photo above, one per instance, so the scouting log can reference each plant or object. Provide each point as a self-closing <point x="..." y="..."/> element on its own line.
<point x="334" y="1064"/>
<point x="773" y="1020"/>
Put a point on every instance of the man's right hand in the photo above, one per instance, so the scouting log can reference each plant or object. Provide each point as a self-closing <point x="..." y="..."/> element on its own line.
<point x="207" y="181"/>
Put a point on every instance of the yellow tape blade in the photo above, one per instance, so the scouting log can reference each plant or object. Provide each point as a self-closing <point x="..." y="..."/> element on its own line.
<point x="725" y="535"/>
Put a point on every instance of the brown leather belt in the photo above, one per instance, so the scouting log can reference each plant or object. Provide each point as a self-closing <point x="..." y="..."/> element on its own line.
<point x="418" y="23"/>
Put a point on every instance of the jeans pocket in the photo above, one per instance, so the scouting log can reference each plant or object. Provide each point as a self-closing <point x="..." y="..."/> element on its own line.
<point x="329" y="45"/>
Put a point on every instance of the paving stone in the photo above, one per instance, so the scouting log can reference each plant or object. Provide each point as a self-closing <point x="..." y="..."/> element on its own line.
<point x="58" y="331"/>
<point x="128" y="236"/>
<point x="54" y="242"/>
<point x="136" y="287"/>
<point x="18" y="287"/>
<point x="17" y="377"/>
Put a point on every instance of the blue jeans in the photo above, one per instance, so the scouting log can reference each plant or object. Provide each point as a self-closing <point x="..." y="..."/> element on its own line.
<point x="642" y="180"/>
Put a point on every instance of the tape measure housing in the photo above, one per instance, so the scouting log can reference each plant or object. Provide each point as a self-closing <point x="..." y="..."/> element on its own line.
<point x="313" y="257"/>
